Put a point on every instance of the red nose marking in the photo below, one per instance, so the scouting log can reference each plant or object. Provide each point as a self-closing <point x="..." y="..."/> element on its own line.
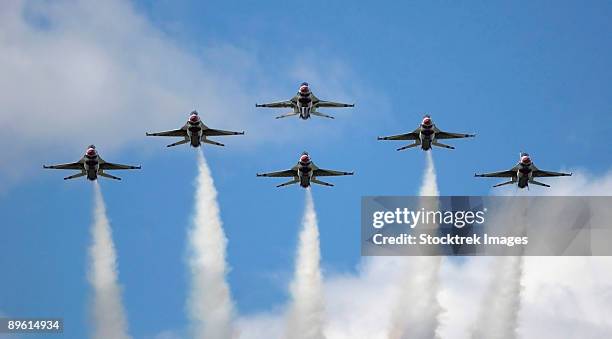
<point x="194" y="118"/>
<point x="304" y="89"/>
<point x="304" y="158"/>
<point x="525" y="160"/>
<point x="91" y="152"/>
<point x="426" y="121"/>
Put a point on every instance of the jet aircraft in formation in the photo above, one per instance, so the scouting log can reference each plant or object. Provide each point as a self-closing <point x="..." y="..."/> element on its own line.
<point x="194" y="132"/>
<point x="304" y="104"/>
<point x="523" y="173"/>
<point x="305" y="173"/>
<point x="92" y="166"/>
<point x="426" y="136"/>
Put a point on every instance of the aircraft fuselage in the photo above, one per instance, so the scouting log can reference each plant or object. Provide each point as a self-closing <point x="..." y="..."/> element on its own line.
<point x="91" y="167"/>
<point x="524" y="174"/>
<point x="304" y="175"/>
<point x="304" y="106"/>
<point x="195" y="135"/>
<point x="427" y="136"/>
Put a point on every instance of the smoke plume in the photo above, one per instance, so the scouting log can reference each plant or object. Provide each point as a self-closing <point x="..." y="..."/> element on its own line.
<point x="500" y="306"/>
<point x="211" y="309"/>
<point x="429" y="187"/>
<point x="306" y="318"/>
<point x="498" y="317"/>
<point x="416" y="310"/>
<point x="108" y="313"/>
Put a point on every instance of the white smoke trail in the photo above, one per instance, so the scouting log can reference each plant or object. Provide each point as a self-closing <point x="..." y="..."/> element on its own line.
<point x="416" y="310"/>
<point x="306" y="318"/>
<point x="211" y="309"/>
<point x="498" y="317"/>
<point x="429" y="187"/>
<point x="108" y="313"/>
<point x="500" y="306"/>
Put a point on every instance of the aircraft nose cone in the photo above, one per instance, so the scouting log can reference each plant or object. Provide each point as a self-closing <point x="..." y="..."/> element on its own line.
<point x="526" y="160"/>
<point x="193" y="118"/>
<point x="91" y="152"/>
<point x="304" y="159"/>
<point x="426" y="121"/>
<point x="304" y="89"/>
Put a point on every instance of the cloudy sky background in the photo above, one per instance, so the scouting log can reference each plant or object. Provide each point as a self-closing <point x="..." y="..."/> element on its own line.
<point x="524" y="76"/>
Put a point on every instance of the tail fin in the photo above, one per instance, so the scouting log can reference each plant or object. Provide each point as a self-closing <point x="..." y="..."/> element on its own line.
<point x="435" y="143"/>
<point x="102" y="174"/>
<point x="207" y="141"/>
<point x="538" y="183"/>
<point x="408" y="146"/>
<point x="319" y="182"/>
<point x="179" y="143"/>
<point x="505" y="183"/>
<point x="78" y="175"/>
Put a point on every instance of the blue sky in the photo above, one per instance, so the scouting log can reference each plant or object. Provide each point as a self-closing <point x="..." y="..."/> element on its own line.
<point x="524" y="76"/>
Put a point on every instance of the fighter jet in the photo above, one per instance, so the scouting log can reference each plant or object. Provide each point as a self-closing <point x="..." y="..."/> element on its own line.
<point x="304" y="104"/>
<point x="92" y="166"/>
<point x="523" y="173"/>
<point x="194" y="132"/>
<point x="426" y="135"/>
<point x="305" y="173"/>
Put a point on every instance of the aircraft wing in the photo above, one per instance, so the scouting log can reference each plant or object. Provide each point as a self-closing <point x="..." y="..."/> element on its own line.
<point x="278" y="104"/>
<point x="111" y="166"/>
<point x="217" y="132"/>
<point x="448" y="135"/>
<point x="70" y="166"/>
<point x="322" y="103"/>
<point x="408" y="136"/>
<point x="502" y="174"/>
<point x="287" y="173"/>
<point x="181" y="132"/>
<point x="329" y="173"/>
<point x="540" y="173"/>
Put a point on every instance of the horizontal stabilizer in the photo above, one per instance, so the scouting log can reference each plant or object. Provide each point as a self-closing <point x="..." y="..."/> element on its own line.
<point x="291" y="182"/>
<point x="207" y="141"/>
<point x="179" y="143"/>
<point x="78" y="175"/>
<point x="408" y="146"/>
<point x="319" y="182"/>
<point x="319" y="114"/>
<point x="538" y="183"/>
<point x="290" y="114"/>
<point x="442" y="145"/>
<point x="505" y="183"/>
<point x="102" y="174"/>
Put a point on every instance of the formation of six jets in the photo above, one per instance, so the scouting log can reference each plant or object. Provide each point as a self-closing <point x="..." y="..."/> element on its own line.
<point x="305" y="104"/>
